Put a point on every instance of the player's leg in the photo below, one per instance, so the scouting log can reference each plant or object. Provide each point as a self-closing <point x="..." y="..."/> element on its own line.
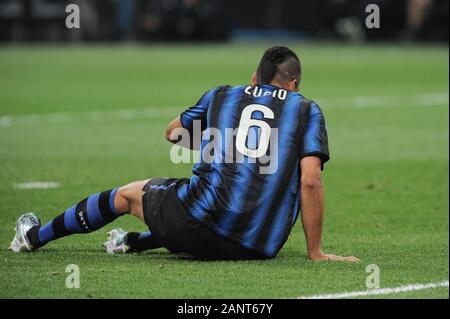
<point x="130" y="200"/>
<point x="120" y="241"/>
<point x="90" y="214"/>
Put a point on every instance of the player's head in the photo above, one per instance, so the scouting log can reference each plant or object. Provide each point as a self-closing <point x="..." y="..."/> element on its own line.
<point x="279" y="66"/>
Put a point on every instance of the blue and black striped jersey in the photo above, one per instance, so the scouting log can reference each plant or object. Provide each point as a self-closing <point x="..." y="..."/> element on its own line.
<point x="246" y="185"/>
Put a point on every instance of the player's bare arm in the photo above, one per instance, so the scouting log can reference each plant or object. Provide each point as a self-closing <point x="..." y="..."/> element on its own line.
<point x="313" y="209"/>
<point x="174" y="136"/>
<point x="174" y="124"/>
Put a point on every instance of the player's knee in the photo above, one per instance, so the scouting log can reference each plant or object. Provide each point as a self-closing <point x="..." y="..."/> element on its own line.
<point x="130" y="191"/>
<point x="129" y="197"/>
<point x="121" y="199"/>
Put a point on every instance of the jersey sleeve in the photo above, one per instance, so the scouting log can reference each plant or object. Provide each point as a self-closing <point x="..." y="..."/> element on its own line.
<point x="315" y="136"/>
<point x="198" y="111"/>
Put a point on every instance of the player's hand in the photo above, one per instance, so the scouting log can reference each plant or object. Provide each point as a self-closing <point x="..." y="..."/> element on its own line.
<point x="321" y="256"/>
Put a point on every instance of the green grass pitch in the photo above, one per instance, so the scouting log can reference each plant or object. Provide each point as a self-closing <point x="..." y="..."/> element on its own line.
<point x="63" y="118"/>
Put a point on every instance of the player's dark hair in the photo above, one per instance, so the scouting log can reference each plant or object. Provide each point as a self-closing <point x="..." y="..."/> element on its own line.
<point x="280" y="64"/>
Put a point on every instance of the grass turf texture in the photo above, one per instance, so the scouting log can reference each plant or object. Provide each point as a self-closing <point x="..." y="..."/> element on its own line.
<point x="386" y="184"/>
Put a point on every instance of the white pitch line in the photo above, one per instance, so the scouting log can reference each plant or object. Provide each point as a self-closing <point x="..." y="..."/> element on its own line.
<point x="425" y="99"/>
<point x="36" y="185"/>
<point x="380" y="291"/>
<point x="91" y="116"/>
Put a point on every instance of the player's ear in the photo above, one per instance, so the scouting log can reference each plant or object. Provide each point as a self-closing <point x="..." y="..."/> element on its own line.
<point x="293" y="85"/>
<point x="253" y="80"/>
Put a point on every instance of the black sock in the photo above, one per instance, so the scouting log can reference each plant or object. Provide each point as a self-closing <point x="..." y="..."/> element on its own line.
<point x="138" y="242"/>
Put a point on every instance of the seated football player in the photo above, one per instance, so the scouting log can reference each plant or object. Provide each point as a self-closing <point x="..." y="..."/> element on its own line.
<point x="263" y="147"/>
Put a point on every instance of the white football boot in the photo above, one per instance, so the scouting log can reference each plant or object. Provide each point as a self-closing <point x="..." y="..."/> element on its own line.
<point x="20" y="243"/>
<point x="115" y="243"/>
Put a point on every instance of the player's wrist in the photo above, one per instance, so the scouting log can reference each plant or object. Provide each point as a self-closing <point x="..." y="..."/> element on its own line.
<point x="315" y="254"/>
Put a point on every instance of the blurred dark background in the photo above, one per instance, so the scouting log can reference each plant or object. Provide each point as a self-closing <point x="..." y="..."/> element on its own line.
<point x="222" y="20"/>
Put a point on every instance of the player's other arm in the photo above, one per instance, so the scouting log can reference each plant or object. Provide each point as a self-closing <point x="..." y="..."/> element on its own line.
<point x="177" y="134"/>
<point x="312" y="204"/>
<point x="193" y="117"/>
<point x="313" y="157"/>
<point x="312" y="207"/>
<point x="173" y="125"/>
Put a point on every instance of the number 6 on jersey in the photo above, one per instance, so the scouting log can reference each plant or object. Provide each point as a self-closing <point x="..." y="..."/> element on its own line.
<point x="244" y="125"/>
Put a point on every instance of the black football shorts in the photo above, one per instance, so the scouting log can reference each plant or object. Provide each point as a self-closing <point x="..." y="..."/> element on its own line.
<point x="175" y="228"/>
